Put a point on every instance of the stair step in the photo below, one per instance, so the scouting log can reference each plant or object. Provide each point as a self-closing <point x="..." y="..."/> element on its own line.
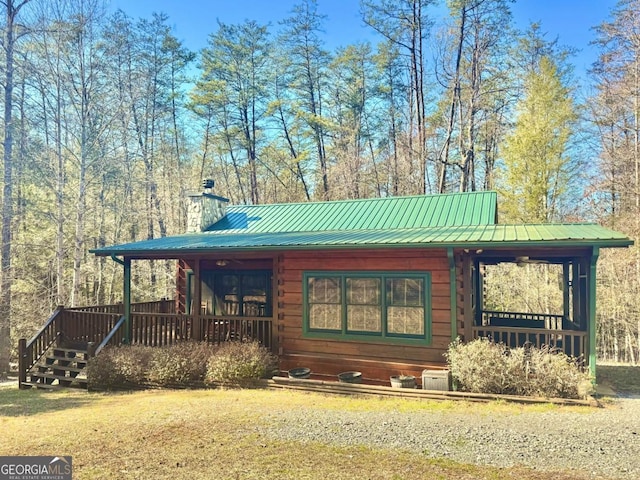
<point x="70" y="350"/>
<point x="53" y="376"/>
<point x="61" y="367"/>
<point x="53" y="358"/>
<point x="59" y="374"/>
<point x="70" y="353"/>
<point x="66" y="368"/>
<point x="48" y="386"/>
<point x="45" y="381"/>
<point x="45" y="386"/>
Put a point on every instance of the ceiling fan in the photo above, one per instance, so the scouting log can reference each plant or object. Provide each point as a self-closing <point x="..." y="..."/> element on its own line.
<point x="525" y="260"/>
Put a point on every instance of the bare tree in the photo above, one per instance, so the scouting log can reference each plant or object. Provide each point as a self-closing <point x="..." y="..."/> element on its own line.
<point x="12" y="9"/>
<point x="406" y="25"/>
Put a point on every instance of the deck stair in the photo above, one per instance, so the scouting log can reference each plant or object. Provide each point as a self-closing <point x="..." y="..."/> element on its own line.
<point x="60" y="368"/>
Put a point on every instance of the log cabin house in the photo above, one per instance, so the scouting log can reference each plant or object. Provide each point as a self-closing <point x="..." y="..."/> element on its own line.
<point x="380" y="286"/>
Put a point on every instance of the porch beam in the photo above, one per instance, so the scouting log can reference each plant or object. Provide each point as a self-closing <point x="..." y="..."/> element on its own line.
<point x="592" y="312"/>
<point x="453" y="294"/>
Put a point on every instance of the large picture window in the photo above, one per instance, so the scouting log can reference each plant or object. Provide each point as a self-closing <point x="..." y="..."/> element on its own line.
<point x="361" y="305"/>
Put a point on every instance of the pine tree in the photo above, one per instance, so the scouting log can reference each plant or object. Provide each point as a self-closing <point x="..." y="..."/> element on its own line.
<point x="536" y="160"/>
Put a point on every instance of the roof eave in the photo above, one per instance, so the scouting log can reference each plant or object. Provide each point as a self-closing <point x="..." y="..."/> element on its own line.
<point x="179" y="252"/>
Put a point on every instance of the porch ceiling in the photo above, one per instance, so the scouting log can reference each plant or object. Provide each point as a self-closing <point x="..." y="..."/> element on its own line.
<point x="468" y="236"/>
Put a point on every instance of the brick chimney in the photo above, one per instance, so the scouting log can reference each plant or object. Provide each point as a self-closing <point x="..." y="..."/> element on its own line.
<point x="204" y="209"/>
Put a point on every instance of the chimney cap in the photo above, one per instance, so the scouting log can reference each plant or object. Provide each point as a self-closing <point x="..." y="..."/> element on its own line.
<point x="208" y="183"/>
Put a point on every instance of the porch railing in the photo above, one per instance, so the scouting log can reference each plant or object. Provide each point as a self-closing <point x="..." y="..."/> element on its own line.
<point x="165" y="329"/>
<point x="571" y="342"/>
<point x="515" y="329"/>
<point x="81" y="327"/>
<point x="157" y="306"/>
<point x="222" y="329"/>
<point x="29" y="352"/>
<point x="523" y="320"/>
<point x="69" y="327"/>
<point x="115" y="336"/>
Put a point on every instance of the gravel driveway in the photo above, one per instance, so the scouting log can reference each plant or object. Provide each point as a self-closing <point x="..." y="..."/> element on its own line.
<point x="603" y="442"/>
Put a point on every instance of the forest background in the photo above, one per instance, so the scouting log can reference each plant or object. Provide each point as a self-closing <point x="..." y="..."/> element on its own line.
<point x="109" y="121"/>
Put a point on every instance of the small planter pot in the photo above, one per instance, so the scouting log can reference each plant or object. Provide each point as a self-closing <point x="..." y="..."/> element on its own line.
<point x="403" y="381"/>
<point x="301" y="372"/>
<point x="350" y="377"/>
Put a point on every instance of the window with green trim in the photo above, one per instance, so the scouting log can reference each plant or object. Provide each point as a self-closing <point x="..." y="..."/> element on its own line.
<point x="385" y="306"/>
<point x="325" y="307"/>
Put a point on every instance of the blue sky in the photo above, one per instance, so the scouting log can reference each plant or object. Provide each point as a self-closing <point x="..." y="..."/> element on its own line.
<point x="193" y="20"/>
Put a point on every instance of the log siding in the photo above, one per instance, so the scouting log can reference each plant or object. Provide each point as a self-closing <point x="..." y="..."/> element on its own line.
<point x="376" y="360"/>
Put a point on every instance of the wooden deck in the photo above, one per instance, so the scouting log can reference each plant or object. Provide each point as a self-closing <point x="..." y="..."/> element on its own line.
<point x="156" y="324"/>
<point x="153" y="324"/>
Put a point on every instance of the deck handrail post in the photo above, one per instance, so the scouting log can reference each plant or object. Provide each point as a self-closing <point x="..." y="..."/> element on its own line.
<point x="61" y="331"/>
<point x="91" y="349"/>
<point x="22" y="354"/>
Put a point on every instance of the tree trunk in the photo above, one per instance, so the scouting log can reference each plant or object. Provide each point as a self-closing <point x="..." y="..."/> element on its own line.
<point x="6" y="282"/>
<point x="455" y="95"/>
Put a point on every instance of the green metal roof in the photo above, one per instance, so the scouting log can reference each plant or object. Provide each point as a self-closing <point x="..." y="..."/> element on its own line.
<point x="474" y="208"/>
<point x="465" y="236"/>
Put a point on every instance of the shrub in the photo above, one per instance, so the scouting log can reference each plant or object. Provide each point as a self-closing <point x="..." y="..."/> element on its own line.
<point x="134" y="365"/>
<point x="132" y="362"/>
<point x="486" y="367"/>
<point x="478" y="366"/>
<point x="118" y="367"/>
<point x="180" y="364"/>
<point x="554" y="374"/>
<point x="102" y="373"/>
<point x="239" y="363"/>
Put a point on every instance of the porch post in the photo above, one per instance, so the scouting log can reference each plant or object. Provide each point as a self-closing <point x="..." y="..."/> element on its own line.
<point x="127" y="301"/>
<point x="592" y="312"/>
<point x="453" y="304"/>
<point x="468" y="293"/>
<point x="578" y="291"/>
<point x="196" y="331"/>
<point x="566" y="311"/>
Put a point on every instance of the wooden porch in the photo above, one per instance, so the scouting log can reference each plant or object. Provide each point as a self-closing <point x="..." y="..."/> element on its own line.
<point x="570" y="328"/>
<point x="154" y="324"/>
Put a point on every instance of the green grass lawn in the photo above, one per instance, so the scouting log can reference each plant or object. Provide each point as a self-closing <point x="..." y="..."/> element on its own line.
<point x="182" y="434"/>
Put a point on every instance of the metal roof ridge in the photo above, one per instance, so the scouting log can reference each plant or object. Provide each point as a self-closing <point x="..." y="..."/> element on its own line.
<point x="236" y="231"/>
<point x="350" y="200"/>
<point x="546" y="224"/>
